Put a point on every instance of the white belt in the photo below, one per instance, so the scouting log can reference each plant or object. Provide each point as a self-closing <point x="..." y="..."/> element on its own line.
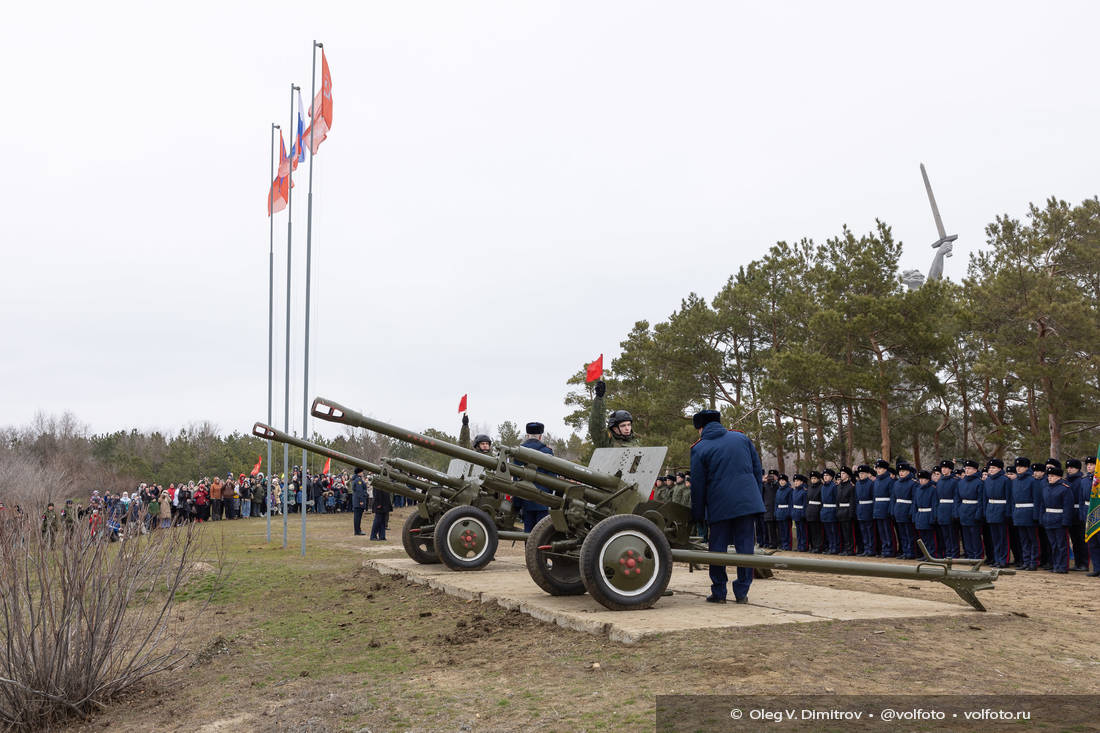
<point x="970" y="501"/>
<point x="947" y="501"/>
<point x="1024" y="506"/>
<point x="798" y="506"/>
<point x="882" y="498"/>
<point x="844" y="505"/>
<point x="997" y="501"/>
<point x="830" y="506"/>
<point x="904" y="501"/>
<point x="866" y="501"/>
<point x="1053" y="511"/>
<point x="1076" y="506"/>
<point x="784" y="506"/>
<point x="924" y="509"/>
<point x="818" y="503"/>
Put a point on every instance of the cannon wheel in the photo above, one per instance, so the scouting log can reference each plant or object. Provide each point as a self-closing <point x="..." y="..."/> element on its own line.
<point x="626" y="562"/>
<point x="465" y="538"/>
<point x="556" y="574"/>
<point x="419" y="546"/>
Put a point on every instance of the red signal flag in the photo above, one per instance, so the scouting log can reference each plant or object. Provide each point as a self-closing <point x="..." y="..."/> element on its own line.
<point x="256" y="468"/>
<point x="594" y="371"/>
<point x="462" y="404"/>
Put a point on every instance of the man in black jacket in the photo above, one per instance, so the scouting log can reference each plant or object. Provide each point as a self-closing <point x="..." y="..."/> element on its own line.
<point x="358" y="500"/>
<point x="382" y="507"/>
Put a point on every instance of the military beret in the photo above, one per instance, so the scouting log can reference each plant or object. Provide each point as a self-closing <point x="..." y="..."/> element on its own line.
<point x="1038" y="467"/>
<point x="1054" y="462"/>
<point x="1054" y="470"/>
<point x="882" y="463"/>
<point x="773" y="472"/>
<point x="970" y="463"/>
<point x="815" y="474"/>
<point x="1073" y="463"/>
<point x="996" y="462"/>
<point x="535" y="428"/>
<point x="829" y="472"/>
<point x="924" y="474"/>
<point x="1023" y="462"/>
<point x="800" y="477"/>
<point x="704" y="417"/>
<point x="947" y="464"/>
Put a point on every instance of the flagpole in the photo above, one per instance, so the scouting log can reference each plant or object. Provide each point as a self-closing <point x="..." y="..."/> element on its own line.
<point x="286" y="399"/>
<point x="270" y="315"/>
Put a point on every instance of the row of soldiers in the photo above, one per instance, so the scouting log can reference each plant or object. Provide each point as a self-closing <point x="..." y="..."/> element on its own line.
<point x="1029" y="514"/>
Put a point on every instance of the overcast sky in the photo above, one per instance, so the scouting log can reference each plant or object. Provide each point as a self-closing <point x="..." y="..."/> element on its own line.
<point x="507" y="187"/>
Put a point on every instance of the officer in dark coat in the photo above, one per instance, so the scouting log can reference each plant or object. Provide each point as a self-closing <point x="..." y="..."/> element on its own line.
<point x="1094" y="541"/>
<point x="726" y="491"/>
<point x="1057" y="517"/>
<point x="924" y="510"/>
<point x="798" y="512"/>
<point x="783" y="513"/>
<point x="358" y="500"/>
<point x="947" y="489"/>
<point x="998" y="510"/>
<point x="1039" y="478"/>
<point x="533" y="512"/>
<point x="828" y="511"/>
<point x="771" y="528"/>
<point x="969" y="506"/>
<point x="1081" y="490"/>
<point x="846" y="512"/>
<point x="882" y="509"/>
<point x="901" y="501"/>
<point x="382" y="506"/>
<point x="1027" y="497"/>
<point x="865" y="509"/>
<point x="813" y="514"/>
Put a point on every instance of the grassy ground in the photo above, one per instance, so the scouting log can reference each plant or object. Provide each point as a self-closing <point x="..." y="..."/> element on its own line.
<point x="323" y="644"/>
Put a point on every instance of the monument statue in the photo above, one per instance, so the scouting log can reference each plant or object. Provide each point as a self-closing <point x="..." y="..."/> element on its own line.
<point x="913" y="279"/>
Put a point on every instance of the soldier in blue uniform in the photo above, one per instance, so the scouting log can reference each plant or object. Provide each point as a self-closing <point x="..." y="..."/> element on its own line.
<point x="1014" y="549"/>
<point x="998" y="510"/>
<point x="1039" y="478"/>
<point x="533" y="512"/>
<point x="901" y="502"/>
<point x="828" y="511"/>
<point x="1026" y="500"/>
<point x="865" y="510"/>
<point x="783" y="513"/>
<point x="798" y="511"/>
<point x="883" y="509"/>
<point x="726" y="491"/>
<point x="1057" y="517"/>
<point x="969" y="507"/>
<point x="845" y="512"/>
<point x="1076" y="482"/>
<point x="924" y="511"/>
<point x="946" y="517"/>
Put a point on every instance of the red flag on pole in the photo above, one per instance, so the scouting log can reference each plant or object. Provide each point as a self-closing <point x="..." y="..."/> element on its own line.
<point x="256" y="468"/>
<point x="462" y="404"/>
<point x="594" y="371"/>
<point x="278" y="195"/>
<point x="328" y="465"/>
<point x="320" y="112"/>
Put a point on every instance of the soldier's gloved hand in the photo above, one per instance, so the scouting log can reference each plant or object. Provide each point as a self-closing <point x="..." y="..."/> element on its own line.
<point x="465" y="419"/>
<point x="601" y="388"/>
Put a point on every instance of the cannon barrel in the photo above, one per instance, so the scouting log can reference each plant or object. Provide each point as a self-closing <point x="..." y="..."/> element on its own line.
<point x="425" y="472"/>
<point x="335" y="412"/>
<point x="575" y="471"/>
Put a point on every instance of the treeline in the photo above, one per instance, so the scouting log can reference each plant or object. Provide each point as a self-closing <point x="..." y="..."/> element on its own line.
<point x="821" y="354"/>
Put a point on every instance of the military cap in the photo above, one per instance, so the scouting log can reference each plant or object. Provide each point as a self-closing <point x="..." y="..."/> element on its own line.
<point x="815" y="474"/>
<point x="1023" y="462"/>
<point x="783" y="477"/>
<point x="1091" y="461"/>
<point x="996" y="462"/>
<point x="904" y="466"/>
<point x="800" y="477"/>
<point x="828" y="472"/>
<point x="1038" y="467"/>
<point x="773" y="472"/>
<point x="1054" y="462"/>
<point x="863" y="468"/>
<point x="1073" y="463"/>
<point x="846" y="470"/>
<point x="924" y="474"/>
<point x="704" y="417"/>
<point x="358" y="470"/>
<point x="950" y="465"/>
<point x="1010" y="469"/>
<point x="882" y="463"/>
<point x="1055" y="470"/>
<point x="970" y="463"/>
<point x="535" y="428"/>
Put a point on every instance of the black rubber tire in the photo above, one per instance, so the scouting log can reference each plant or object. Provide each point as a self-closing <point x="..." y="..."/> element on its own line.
<point x="420" y="547"/>
<point x="475" y="519"/>
<point x="596" y="574"/>
<point x="557" y="576"/>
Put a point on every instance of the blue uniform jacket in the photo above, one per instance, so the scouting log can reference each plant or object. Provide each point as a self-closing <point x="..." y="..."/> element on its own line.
<point x="947" y="491"/>
<point x="925" y="500"/>
<point x="998" y="499"/>
<point x="1086" y="495"/>
<point x="1082" y="489"/>
<point x="883" y="502"/>
<point x="865" y="500"/>
<point x="528" y="505"/>
<point x="1026" y="500"/>
<point x="1057" y="505"/>
<point x="798" y="503"/>
<point x="783" y="504"/>
<point x="901" y="498"/>
<point x="725" y="475"/>
<point x="828" y="501"/>
<point x="969" y="501"/>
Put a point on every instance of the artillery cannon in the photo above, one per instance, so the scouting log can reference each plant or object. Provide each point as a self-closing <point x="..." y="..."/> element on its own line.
<point x="444" y="504"/>
<point x="605" y="537"/>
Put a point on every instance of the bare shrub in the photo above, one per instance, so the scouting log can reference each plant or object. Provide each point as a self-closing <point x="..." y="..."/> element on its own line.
<point x="82" y="617"/>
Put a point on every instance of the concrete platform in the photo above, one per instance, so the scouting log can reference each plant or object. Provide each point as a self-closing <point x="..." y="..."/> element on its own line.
<point x="506" y="582"/>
